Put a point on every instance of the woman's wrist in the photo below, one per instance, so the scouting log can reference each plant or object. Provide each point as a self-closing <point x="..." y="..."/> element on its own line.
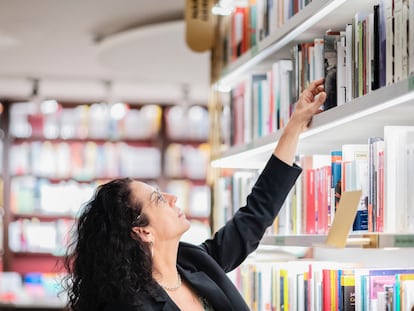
<point x="286" y="148"/>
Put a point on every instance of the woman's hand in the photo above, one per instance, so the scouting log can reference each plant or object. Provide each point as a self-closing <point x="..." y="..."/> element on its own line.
<point x="309" y="104"/>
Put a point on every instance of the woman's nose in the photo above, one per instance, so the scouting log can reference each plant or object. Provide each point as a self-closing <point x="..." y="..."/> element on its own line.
<point x="172" y="199"/>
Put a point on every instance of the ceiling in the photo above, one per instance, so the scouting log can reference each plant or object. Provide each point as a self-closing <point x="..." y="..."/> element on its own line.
<point x="94" y="49"/>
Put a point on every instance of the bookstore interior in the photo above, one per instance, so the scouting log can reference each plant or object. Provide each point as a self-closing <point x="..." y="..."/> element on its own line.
<point x="192" y="97"/>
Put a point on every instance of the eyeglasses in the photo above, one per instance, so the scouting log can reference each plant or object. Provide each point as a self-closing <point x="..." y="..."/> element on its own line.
<point x="157" y="196"/>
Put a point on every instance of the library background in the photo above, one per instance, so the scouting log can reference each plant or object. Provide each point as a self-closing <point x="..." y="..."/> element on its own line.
<point x="254" y="59"/>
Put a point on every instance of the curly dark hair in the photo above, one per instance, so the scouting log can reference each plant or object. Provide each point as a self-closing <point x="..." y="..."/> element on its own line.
<point x="106" y="261"/>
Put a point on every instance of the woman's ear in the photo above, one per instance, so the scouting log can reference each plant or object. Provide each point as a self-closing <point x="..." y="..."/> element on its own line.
<point x="143" y="233"/>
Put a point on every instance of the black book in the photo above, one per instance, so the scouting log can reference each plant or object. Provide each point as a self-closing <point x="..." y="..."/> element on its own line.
<point x="330" y="66"/>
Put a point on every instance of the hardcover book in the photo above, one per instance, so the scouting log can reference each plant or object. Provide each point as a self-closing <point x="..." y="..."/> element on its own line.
<point x="330" y="65"/>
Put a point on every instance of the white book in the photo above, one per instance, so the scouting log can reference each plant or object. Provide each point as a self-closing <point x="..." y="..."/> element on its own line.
<point x="264" y="107"/>
<point x="272" y="19"/>
<point x="389" y="25"/>
<point x="349" y="62"/>
<point x="341" y="71"/>
<point x="265" y="286"/>
<point x="410" y="182"/>
<point x="359" y="273"/>
<point x="311" y="56"/>
<point x="408" y="297"/>
<point x="286" y="67"/>
<point x="260" y="9"/>
<point x="398" y="38"/>
<point x="396" y="171"/>
<point x="300" y="301"/>
<point x="319" y="59"/>
<point x="380" y="302"/>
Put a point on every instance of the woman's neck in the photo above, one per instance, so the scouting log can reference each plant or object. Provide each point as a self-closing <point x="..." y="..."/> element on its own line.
<point x="165" y="265"/>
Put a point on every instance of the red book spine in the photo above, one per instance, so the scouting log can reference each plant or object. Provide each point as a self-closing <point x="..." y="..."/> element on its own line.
<point x="326" y="289"/>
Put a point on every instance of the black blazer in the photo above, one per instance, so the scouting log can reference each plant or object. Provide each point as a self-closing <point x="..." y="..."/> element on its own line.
<point x="204" y="267"/>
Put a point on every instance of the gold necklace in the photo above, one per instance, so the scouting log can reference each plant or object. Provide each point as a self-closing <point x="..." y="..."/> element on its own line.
<point x="174" y="288"/>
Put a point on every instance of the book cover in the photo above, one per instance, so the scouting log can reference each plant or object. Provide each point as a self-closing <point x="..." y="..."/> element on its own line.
<point x="330" y="68"/>
<point x="355" y="177"/>
<point x="336" y="189"/>
<point x="348" y="292"/>
<point x="375" y="145"/>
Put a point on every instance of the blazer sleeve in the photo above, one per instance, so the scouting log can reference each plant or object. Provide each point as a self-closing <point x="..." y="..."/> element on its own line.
<point x="242" y="233"/>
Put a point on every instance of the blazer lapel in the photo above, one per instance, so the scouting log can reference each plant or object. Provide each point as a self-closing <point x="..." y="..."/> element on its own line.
<point x="208" y="289"/>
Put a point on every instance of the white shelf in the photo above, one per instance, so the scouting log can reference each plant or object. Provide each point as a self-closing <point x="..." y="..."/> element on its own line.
<point x="367" y="240"/>
<point x="353" y="122"/>
<point x="311" y="22"/>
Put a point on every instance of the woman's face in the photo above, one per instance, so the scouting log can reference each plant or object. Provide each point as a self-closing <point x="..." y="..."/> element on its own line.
<point x="166" y="220"/>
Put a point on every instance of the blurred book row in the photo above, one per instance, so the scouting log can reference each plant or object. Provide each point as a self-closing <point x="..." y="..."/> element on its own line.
<point x="84" y="161"/>
<point x="41" y="290"/>
<point x="33" y="235"/>
<point x="52" y="120"/>
<point x="90" y="160"/>
<point x="39" y="196"/>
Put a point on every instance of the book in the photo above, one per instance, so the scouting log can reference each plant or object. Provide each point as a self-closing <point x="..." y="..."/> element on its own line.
<point x="389" y="42"/>
<point x="408" y="300"/>
<point x="237" y="114"/>
<point x="355" y="177"/>
<point x="411" y="39"/>
<point x="382" y="38"/>
<point x="375" y="147"/>
<point x="399" y="290"/>
<point x="310" y="164"/>
<point x="341" y="69"/>
<point x="348" y="292"/>
<point x="398" y="169"/>
<point x="336" y="189"/>
<point x="330" y="68"/>
<point x="349" y="66"/>
<point x="248" y="106"/>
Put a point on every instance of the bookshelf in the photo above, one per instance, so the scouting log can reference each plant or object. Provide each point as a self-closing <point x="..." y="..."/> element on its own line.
<point x="364" y="116"/>
<point x="55" y="159"/>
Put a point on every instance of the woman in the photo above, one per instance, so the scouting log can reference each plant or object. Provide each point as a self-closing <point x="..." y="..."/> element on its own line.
<point x="127" y="253"/>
